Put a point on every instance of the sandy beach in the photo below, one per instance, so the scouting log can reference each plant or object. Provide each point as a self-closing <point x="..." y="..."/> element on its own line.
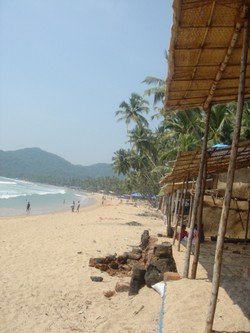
<point x="46" y="286"/>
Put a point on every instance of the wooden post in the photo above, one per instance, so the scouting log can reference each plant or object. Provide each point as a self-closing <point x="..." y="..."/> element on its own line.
<point x="176" y="215"/>
<point x="165" y="204"/>
<point x="229" y="184"/>
<point x="169" y="219"/>
<point x="179" y="212"/>
<point x="190" y="208"/>
<point x="238" y="211"/>
<point x="199" y="227"/>
<point x="248" y="215"/>
<point x="182" y="211"/>
<point x="198" y="192"/>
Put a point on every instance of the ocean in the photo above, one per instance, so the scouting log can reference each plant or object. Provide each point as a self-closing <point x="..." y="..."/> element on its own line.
<point x="15" y="195"/>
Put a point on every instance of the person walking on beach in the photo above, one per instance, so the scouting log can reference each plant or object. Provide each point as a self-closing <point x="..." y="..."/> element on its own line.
<point x="28" y="208"/>
<point x="73" y="207"/>
<point x="78" y="206"/>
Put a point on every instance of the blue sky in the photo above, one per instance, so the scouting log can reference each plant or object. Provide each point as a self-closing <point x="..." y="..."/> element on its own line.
<point x="66" y="65"/>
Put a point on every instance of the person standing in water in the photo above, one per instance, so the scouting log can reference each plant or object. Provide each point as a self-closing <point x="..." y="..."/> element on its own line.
<point x="28" y="208"/>
<point x="78" y="206"/>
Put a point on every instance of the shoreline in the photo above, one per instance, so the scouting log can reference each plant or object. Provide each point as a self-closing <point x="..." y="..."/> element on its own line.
<point x="91" y="199"/>
<point x="16" y="195"/>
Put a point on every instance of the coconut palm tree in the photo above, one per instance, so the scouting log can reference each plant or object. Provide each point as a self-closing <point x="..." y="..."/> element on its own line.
<point x="179" y="131"/>
<point x="159" y="87"/>
<point x="143" y="143"/>
<point x="121" y="164"/>
<point x="133" y="110"/>
<point x="245" y="124"/>
<point x="221" y="124"/>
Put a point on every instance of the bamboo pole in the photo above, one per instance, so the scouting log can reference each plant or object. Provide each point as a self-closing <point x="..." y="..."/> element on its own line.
<point x="179" y="212"/>
<point x="229" y="185"/>
<point x="248" y="215"/>
<point x="169" y="219"/>
<point x="238" y="211"/>
<point x="166" y="210"/>
<point x="198" y="192"/>
<point x="191" y="204"/>
<point x="224" y="63"/>
<point x="182" y="202"/>
<point x="165" y="204"/>
<point x="176" y="215"/>
<point x="199" y="227"/>
<point x="191" y="200"/>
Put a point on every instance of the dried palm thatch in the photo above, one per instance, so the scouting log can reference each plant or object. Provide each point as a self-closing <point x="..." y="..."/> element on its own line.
<point x="188" y="163"/>
<point x="205" y="53"/>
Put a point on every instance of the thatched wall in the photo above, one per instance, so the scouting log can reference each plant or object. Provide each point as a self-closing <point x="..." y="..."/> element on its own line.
<point x="211" y="220"/>
<point x="238" y="208"/>
<point x="241" y="187"/>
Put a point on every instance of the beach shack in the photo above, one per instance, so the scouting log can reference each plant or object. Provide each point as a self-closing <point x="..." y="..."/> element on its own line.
<point x="178" y="187"/>
<point x="208" y="65"/>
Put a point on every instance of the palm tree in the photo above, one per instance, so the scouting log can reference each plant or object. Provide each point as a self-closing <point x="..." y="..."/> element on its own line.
<point x="179" y="131"/>
<point x="121" y="164"/>
<point x="159" y="89"/>
<point x="245" y="125"/>
<point x="133" y="110"/>
<point x="143" y="142"/>
<point x="159" y="86"/>
<point x="221" y="123"/>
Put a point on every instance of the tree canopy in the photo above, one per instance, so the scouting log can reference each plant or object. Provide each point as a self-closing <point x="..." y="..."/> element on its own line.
<point x="152" y="150"/>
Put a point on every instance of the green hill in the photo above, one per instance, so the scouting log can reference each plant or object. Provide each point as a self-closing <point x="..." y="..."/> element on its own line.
<point x="37" y="165"/>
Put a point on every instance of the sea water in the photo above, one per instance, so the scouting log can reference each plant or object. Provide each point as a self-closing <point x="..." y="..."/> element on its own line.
<point x="15" y="195"/>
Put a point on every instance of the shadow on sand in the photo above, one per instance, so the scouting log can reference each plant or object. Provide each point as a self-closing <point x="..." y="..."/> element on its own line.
<point x="235" y="257"/>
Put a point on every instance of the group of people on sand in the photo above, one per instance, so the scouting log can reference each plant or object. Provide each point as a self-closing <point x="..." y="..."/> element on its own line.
<point x="75" y="206"/>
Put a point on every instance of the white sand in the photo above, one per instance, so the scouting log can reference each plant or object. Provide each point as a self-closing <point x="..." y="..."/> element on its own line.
<point x="46" y="286"/>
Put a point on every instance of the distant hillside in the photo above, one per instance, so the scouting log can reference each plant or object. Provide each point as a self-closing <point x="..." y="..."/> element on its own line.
<point x="35" y="164"/>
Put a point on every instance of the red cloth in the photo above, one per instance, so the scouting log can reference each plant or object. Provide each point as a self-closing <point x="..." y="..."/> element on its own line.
<point x="184" y="233"/>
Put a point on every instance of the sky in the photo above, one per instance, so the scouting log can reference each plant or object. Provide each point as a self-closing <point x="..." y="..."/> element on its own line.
<point x="66" y="66"/>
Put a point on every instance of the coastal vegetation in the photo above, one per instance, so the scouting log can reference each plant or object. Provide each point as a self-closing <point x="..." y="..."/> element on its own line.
<point x="151" y="152"/>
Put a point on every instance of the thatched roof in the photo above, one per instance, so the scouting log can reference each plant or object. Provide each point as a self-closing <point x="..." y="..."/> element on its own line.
<point x="188" y="163"/>
<point x="205" y="53"/>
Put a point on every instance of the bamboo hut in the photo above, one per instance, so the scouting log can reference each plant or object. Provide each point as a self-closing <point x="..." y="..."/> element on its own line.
<point x="208" y="65"/>
<point x="187" y="163"/>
